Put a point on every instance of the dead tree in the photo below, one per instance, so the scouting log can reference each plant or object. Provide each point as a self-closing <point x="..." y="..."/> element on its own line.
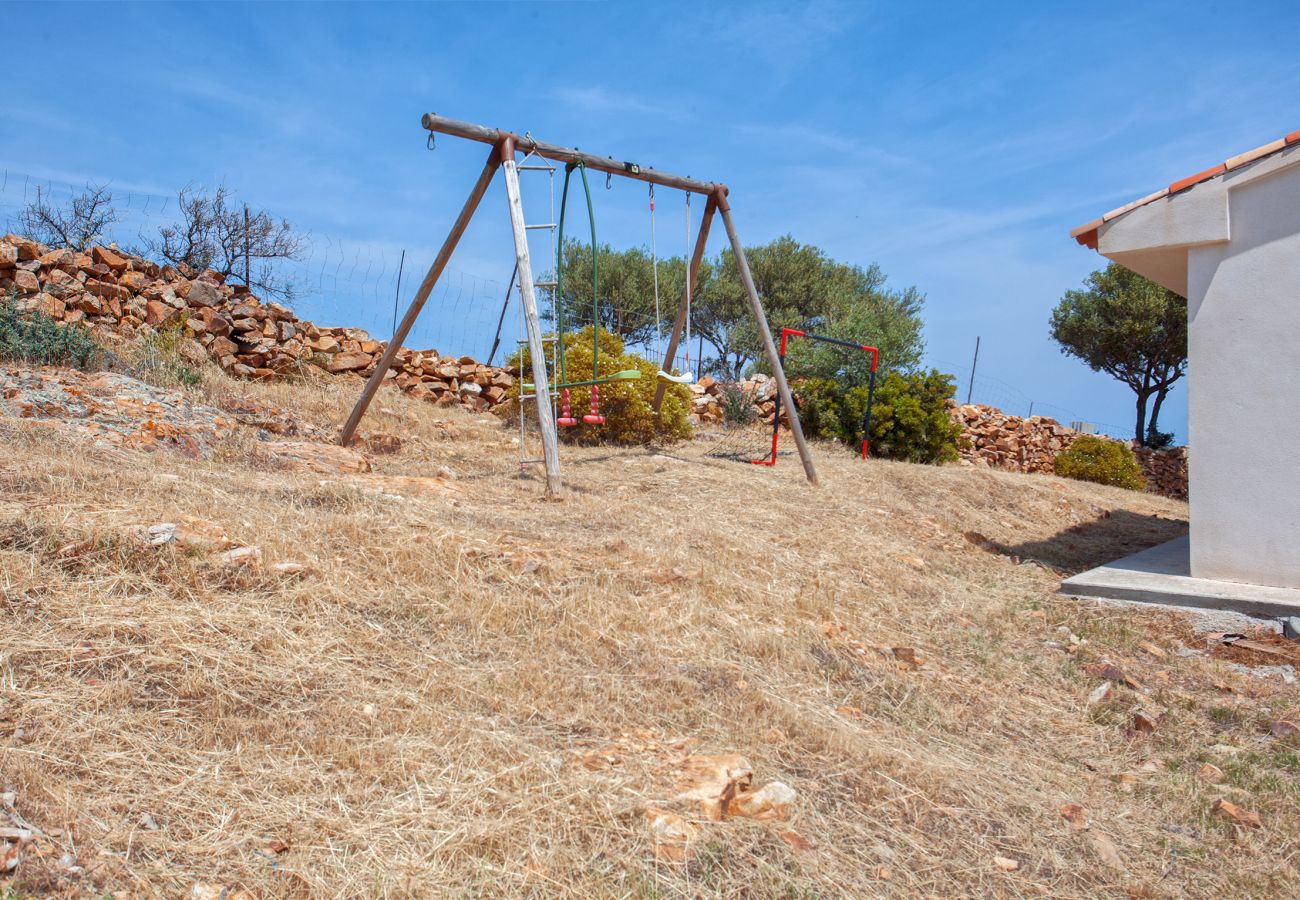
<point x="239" y="245"/>
<point x="76" y="226"/>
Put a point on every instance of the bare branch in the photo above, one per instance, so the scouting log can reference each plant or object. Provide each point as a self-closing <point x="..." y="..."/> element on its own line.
<point x="76" y="226"/>
<point x="237" y="243"/>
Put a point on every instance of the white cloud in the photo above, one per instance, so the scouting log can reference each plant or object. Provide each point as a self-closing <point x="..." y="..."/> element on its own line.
<point x="602" y="101"/>
<point x="780" y="39"/>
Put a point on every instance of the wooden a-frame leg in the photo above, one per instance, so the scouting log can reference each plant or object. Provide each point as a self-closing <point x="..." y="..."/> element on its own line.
<point x="421" y="296"/>
<point x="536" y="349"/>
<point x="778" y="372"/>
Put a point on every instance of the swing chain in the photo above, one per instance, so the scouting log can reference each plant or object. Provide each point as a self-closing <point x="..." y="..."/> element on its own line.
<point x="609" y="181"/>
<point x="654" y="266"/>
<point x="687" y="260"/>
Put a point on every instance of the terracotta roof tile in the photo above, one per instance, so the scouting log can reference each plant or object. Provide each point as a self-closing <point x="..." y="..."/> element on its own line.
<point x="1258" y="153"/>
<point x="1183" y="184"/>
<point x="1129" y="207"/>
<point x="1087" y="234"/>
<point x="1075" y="232"/>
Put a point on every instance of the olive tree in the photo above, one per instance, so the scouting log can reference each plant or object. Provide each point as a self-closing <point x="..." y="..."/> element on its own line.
<point x="1133" y="330"/>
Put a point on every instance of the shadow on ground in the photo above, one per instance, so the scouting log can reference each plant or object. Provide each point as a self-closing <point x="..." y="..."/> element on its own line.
<point x="1080" y="547"/>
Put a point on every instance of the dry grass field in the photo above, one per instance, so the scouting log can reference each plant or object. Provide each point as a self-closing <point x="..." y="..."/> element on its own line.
<point x="469" y="690"/>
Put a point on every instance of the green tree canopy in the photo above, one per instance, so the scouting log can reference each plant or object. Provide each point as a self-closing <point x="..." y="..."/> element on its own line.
<point x="801" y="287"/>
<point x="792" y="281"/>
<point x="626" y="306"/>
<point x="1130" y="328"/>
<point x="859" y="308"/>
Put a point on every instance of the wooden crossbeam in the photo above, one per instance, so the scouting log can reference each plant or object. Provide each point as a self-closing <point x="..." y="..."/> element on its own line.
<point x="486" y="135"/>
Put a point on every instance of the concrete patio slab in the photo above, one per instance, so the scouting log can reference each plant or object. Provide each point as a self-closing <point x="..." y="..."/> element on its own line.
<point x="1161" y="574"/>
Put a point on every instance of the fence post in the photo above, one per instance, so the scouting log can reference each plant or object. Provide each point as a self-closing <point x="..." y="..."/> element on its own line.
<point x="970" y="388"/>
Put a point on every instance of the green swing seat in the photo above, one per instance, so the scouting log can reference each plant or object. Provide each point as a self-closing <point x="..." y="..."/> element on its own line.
<point x="625" y="375"/>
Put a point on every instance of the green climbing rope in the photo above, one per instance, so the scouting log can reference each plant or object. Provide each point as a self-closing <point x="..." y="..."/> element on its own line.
<point x="595" y="273"/>
<point x="596" y="377"/>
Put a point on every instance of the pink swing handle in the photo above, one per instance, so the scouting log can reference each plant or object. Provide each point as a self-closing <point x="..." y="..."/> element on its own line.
<point x="566" y="418"/>
<point x="594" y="417"/>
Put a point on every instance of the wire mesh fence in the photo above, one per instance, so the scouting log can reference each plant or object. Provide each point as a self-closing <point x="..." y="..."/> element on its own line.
<point x="336" y="280"/>
<point x="1015" y="401"/>
<point x="363" y="284"/>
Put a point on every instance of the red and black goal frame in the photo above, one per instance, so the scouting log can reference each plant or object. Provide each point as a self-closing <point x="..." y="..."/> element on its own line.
<point x="786" y="334"/>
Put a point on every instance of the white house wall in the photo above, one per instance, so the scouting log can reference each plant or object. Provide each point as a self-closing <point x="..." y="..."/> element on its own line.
<point x="1244" y="389"/>
<point x="1231" y="245"/>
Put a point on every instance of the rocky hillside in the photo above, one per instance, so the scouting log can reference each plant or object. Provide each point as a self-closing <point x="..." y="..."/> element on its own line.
<point x="117" y="295"/>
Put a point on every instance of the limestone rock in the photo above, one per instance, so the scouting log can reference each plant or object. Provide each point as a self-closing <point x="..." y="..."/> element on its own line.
<point x="348" y="361"/>
<point x="672" y="837"/>
<point x="202" y="293"/>
<point x="108" y="258"/>
<point x="772" y="802"/>
<point x="328" y="459"/>
<point x="189" y="532"/>
<point x="25" y="282"/>
<point x="249" y="558"/>
<point x="714" y="781"/>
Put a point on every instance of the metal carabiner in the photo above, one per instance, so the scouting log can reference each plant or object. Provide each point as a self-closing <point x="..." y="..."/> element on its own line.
<point x="609" y="181"/>
<point x="431" y="143"/>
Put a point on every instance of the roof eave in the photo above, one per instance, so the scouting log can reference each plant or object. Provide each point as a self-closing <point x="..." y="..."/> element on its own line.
<point x="1087" y="234"/>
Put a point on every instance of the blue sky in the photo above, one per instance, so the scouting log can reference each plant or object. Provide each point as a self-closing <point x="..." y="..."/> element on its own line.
<point x="953" y="144"/>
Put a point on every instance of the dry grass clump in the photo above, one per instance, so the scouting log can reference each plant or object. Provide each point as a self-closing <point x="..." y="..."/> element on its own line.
<point x="476" y="691"/>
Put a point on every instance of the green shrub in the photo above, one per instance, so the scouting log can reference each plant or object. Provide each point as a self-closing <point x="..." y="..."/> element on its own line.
<point x="1158" y="440"/>
<point x="626" y="405"/>
<point x="818" y="400"/>
<point x="1103" y="461"/>
<point x="30" y="336"/>
<point x="909" y="419"/>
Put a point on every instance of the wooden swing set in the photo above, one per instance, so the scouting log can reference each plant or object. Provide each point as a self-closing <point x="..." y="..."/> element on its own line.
<point x="505" y="146"/>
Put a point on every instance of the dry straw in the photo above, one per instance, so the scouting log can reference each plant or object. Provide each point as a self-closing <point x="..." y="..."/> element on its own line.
<point x="405" y="718"/>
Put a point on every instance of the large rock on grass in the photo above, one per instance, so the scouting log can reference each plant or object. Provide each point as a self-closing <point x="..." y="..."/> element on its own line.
<point x="328" y="459"/>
